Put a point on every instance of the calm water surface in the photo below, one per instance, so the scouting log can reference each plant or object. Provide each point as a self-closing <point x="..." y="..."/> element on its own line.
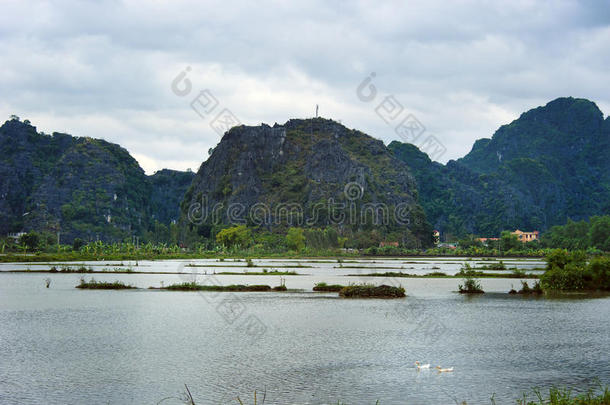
<point x="66" y="346"/>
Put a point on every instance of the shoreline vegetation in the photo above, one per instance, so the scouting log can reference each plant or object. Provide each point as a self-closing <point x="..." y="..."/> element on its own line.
<point x="527" y="290"/>
<point x="249" y="264"/>
<point x="96" y="251"/>
<point x="265" y="272"/>
<point x="351" y="291"/>
<point x="280" y="273"/>
<point x="37" y="257"/>
<point x="574" y="272"/>
<point x="436" y="274"/>
<point x="250" y="242"/>
<point x="470" y="286"/>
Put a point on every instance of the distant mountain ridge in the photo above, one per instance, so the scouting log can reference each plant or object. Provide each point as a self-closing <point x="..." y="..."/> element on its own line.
<point x="81" y="187"/>
<point x="551" y="164"/>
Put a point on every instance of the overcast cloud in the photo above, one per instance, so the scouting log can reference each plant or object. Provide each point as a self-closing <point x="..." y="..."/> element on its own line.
<point x="463" y="68"/>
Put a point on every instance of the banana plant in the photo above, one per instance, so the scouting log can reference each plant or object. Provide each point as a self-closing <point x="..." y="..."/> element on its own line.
<point x="148" y="248"/>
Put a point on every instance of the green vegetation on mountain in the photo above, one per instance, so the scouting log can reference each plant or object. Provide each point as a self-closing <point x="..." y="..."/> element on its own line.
<point x="314" y="185"/>
<point x="168" y="188"/>
<point x="81" y="188"/>
<point x="550" y="165"/>
<point x="313" y="173"/>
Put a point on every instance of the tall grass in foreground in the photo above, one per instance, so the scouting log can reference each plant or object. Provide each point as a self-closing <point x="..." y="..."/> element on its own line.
<point x="556" y="396"/>
<point x="565" y="396"/>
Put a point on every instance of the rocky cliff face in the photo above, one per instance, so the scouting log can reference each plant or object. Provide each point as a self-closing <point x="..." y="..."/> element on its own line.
<point x="95" y="190"/>
<point x="25" y="158"/>
<point x="551" y="164"/>
<point x="81" y="187"/>
<point x="318" y="167"/>
<point x="168" y="189"/>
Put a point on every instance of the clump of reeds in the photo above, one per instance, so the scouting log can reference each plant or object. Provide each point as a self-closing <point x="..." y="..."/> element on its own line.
<point x="372" y="291"/>
<point x="193" y="286"/>
<point x="102" y="285"/>
<point x="470" y="286"/>
<point x="328" y="287"/>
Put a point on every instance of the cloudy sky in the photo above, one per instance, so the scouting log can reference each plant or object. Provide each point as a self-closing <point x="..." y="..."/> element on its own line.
<point x="462" y="68"/>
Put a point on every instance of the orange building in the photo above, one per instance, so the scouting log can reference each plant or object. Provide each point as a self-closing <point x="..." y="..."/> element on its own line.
<point x="526" y="236"/>
<point x="485" y="241"/>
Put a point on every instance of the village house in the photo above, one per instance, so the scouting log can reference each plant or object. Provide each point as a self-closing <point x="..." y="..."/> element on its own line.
<point x="526" y="236"/>
<point x="486" y="241"/>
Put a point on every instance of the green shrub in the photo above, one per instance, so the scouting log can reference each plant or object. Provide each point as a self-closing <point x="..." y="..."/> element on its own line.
<point x="236" y="236"/>
<point x="30" y="240"/>
<point x="295" y="239"/>
<point x="470" y="286"/>
<point x="77" y="244"/>
<point x="570" y="272"/>
<point x="569" y="278"/>
<point x="537" y="288"/>
<point x="597" y="273"/>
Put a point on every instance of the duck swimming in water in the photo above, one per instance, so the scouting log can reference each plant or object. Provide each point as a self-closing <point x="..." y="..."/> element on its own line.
<point x="419" y="366"/>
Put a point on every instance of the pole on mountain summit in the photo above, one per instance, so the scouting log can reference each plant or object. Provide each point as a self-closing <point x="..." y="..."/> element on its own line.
<point x="316" y="111"/>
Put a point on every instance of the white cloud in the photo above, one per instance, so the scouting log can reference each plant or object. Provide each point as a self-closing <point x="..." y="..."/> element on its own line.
<point x="104" y="69"/>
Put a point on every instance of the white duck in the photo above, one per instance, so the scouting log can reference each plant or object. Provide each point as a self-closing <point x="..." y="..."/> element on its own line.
<point x="444" y="370"/>
<point x="419" y="366"/>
